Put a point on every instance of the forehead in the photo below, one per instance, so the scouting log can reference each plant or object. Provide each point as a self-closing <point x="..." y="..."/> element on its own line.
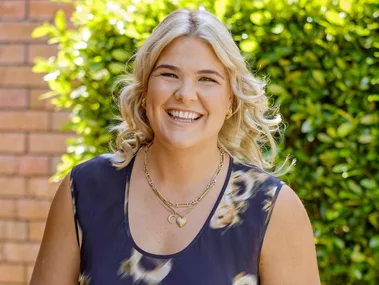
<point x="191" y="53"/>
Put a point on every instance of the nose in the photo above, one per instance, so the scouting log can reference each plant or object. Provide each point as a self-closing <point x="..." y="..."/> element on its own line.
<point x="186" y="92"/>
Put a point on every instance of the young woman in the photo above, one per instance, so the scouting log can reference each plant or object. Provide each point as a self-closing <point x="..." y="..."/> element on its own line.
<point x="185" y="199"/>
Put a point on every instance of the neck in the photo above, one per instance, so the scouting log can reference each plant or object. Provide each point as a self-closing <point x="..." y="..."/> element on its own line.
<point x="183" y="170"/>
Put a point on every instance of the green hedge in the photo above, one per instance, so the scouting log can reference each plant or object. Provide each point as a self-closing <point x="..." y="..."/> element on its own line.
<point x="322" y="60"/>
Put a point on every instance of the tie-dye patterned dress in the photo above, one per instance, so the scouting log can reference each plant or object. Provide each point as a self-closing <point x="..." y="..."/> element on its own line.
<point x="225" y="252"/>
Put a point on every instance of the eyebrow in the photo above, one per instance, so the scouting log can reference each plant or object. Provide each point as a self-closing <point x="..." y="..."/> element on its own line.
<point x="175" y="68"/>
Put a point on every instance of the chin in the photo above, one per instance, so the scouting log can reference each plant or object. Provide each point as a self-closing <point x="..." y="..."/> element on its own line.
<point x="181" y="144"/>
<point x="187" y="141"/>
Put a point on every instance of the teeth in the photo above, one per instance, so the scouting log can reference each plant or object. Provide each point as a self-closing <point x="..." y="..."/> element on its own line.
<point x="183" y="115"/>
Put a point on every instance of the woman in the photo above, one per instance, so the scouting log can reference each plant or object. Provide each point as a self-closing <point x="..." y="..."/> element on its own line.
<point x="184" y="200"/>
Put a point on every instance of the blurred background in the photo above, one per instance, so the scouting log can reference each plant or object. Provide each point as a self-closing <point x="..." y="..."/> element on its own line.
<point x="58" y="65"/>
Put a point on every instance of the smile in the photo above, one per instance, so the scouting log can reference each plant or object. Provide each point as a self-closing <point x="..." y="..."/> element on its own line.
<point x="183" y="116"/>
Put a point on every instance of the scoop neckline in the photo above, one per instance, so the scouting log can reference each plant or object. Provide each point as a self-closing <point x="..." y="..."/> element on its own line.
<point x="198" y="235"/>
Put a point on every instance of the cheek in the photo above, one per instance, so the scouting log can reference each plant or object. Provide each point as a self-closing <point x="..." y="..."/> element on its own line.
<point x="159" y="91"/>
<point x="216" y="101"/>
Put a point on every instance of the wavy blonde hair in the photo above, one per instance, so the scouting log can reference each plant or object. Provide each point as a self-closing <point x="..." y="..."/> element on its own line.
<point x="244" y="136"/>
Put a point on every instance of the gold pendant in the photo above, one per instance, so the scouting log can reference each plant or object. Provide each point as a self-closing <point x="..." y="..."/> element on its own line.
<point x="180" y="221"/>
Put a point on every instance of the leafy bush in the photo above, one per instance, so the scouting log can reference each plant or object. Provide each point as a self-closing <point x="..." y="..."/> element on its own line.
<point x="322" y="58"/>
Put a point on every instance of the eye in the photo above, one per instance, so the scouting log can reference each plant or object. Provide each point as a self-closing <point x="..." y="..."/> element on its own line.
<point x="207" y="79"/>
<point x="172" y="75"/>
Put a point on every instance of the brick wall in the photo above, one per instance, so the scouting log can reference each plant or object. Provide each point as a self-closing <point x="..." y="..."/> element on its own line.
<point x="30" y="137"/>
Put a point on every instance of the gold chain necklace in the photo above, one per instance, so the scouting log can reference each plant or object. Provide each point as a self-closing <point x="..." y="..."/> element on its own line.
<point x="180" y="217"/>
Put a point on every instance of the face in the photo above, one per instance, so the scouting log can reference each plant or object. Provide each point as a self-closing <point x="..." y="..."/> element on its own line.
<point x="188" y="94"/>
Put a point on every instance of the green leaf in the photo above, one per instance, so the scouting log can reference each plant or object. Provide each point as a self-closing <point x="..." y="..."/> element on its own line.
<point x="358" y="257"/>
<point x="132" y="32"/>
<point x="306" y="127"/>
<point x="369" y="183"/>
<point x="357" y="273"/>
<point x="346" y="5"/>
<point x="116" y="68"/>
<point x="365" y="139"/>
<point x="42" y="31"/>
<point x="339" y="168"/>
<point x="339" y="243"/>
<point x="345" y="129"/>
<point x="324" y="138"/>
<point x="370" y="119"/>
<point x="353" y="186"/>
<point x="374" y="219"/>
<point x="277" y="29"/>
<point x="334" y="17"/>
<point x="374" y="242"/>
<point x="276" y="89"/>
<point x="60" y="21"/>
<point x="257" y="18"/>
<point x="120" y="54"/>
<point x="248" y="45"/>
<point x="42" y="65"/>
<point x="318" y="76"/>
<point x="220" y="8"/>
<point x="373" y="97"/>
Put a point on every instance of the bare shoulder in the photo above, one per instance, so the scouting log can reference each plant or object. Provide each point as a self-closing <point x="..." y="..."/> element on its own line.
<point x="288" y="253"/>
<point x="58" y="257"/>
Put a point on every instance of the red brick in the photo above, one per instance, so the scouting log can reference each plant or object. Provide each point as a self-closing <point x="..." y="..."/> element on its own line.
<point x="50" y="143"/>
<point x="24" y="121"/>
<point x="59" y="119"/>
<point x="24" y="165"/>
<point x="15" y="230"/>
<point x="47" y="10"/>
<point x="33" y="210"/>
<point x="12" y="53"/>
<point x="44" y="51"/>
<point x="13" y="98"/>
<point x="21" y="252"/>
<point x="34" y="165"/>
<point x="10" y="273"/>
<point x="1" y="253"/>
<point x="12" y="10"/>
<point x="12" y="142"/>
<point x="18" y="32"/>
<point x="20" y="76"/>
<point x="2" y="230"/>
<point x="8" y="164"/>
<point x="35" y="102"/>
<point x="54" y="161"/>
<point x="40" y="187"/>
<point x="7" y="208"/>
<point x="36" y="230"/>
<point x="11" y="186"/>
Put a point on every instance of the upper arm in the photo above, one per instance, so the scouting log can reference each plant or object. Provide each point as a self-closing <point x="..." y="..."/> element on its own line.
<point x="59" y="255"/>
<point x="288" y="255"/>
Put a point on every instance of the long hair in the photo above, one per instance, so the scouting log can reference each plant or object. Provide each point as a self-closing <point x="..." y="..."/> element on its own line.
<point x="244" y="136"/>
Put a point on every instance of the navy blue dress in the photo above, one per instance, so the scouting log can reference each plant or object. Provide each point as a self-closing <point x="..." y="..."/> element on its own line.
<point x="225" y="252"/>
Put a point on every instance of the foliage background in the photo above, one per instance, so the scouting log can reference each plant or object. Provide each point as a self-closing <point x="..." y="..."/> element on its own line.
<point x="321" y="57"/>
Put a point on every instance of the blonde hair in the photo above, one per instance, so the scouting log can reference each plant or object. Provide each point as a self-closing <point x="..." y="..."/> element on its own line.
<point x="244" y="136"/>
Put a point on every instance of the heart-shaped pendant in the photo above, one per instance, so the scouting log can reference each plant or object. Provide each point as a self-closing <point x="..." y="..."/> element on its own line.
<point x="181" y="222"/>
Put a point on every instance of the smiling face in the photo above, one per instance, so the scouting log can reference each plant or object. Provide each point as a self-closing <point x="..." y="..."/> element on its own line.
<point x="188" y="94"/>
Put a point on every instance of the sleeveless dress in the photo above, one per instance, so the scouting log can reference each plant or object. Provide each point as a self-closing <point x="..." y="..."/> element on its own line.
<point x="225" y="252"/>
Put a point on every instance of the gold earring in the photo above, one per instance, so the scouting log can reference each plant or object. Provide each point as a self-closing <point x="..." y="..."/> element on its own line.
<point x="229" y="114"/>
<point x="143" y="103"/>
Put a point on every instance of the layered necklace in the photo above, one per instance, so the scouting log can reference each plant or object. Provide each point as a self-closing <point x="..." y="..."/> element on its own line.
<point x="185" y="208"/>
